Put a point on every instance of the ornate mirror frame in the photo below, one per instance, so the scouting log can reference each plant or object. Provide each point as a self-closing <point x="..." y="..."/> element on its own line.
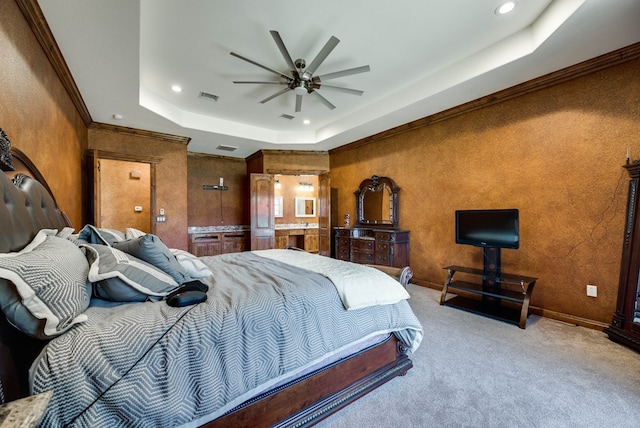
<point x="377" y="184"/>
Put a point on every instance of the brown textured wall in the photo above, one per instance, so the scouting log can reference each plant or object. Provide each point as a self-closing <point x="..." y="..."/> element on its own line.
<point x="288" y="162"/>
<point x="555" y="154"/>
<point x="37" y="113"/>
<point x="171" y="176"/>
<point x="213" y="207"/>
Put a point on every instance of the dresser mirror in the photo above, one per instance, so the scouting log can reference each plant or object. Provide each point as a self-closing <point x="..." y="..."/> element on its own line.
<point x="377" y="203"/>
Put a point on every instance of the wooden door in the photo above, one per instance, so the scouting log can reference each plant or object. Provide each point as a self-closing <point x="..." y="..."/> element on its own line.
<point x="262" y="212"/>
<point x="324" y="215"/>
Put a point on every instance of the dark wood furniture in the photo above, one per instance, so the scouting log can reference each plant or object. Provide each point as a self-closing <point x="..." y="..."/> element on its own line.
<point x="372" y="246"/>
<point x="302" y="402"/>
<point x="625" y="326"/>
<point x="376" y="237"/>
<point x="214" y="243"/>
<point x="505" y="297"/>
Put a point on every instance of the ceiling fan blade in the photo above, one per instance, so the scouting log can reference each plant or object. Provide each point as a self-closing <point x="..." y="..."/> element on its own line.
<point x="277" y="94"/>
<point x="322" y="55"/>
<point x="260" y="82"/>
<point x="298" y="103"/>
<point x="343" y="73"/>
<point x="345" y="90"/>
<point x="323" y="100"/>
<point x="261" y="66"/>
<point x="283" y="50"/>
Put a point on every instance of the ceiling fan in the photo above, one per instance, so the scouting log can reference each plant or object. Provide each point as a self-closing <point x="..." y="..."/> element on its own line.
<point x="300" y="78"/>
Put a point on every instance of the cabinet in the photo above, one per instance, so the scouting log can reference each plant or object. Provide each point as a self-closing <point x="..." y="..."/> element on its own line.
<point x="214" y="243"/>
<point x="306" y="239"/>
<point x="505" y="297"/>
<point x="372" y="246"/>
<point x="625" y="325"/>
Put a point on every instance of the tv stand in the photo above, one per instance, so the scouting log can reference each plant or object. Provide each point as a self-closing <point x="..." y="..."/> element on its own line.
<point x="503" y="296"/>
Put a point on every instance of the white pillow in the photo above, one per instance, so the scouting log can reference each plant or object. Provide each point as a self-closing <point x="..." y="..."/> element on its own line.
<point x="192" y="264"/>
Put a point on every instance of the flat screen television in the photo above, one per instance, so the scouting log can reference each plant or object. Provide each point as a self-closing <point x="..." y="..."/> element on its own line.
<point x="498" y="228"/>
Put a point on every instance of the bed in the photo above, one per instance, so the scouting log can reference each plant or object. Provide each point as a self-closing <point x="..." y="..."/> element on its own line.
<point x="273" y="345"/>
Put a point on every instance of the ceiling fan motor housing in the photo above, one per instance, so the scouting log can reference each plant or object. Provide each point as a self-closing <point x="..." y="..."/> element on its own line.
<point x="300" y="63"/>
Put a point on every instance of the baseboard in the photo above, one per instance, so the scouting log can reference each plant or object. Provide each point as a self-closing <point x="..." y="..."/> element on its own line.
<point x="558" y="316"/>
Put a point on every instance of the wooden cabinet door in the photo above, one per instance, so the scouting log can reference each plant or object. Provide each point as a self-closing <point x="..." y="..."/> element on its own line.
<point x="324" y="215"/>
<point x="262" y="212"/>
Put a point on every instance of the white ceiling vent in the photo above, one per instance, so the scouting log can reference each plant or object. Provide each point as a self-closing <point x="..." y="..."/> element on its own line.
<point x="286" y="116"/>
<point x="226" y="148"/>
<point x="208" y="96"/>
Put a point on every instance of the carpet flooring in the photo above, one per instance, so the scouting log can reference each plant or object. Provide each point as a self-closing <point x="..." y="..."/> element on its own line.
<point x="474" y="371"/>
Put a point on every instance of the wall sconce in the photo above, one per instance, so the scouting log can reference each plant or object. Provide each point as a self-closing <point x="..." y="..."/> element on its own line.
<point x="277" y="184"/>
<point x="306" y="187"/>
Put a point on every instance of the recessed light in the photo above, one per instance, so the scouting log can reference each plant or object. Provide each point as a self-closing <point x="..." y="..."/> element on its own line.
<point x="505" y="8"/>
<point x="176" y="88"/>
<point x="306" y="121"/>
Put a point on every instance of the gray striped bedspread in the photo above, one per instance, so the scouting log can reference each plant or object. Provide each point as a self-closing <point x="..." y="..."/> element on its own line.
<point x="151" y="365"/>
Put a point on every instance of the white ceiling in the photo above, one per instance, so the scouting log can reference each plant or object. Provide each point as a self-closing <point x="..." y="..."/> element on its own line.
<point x="425" y="56"/>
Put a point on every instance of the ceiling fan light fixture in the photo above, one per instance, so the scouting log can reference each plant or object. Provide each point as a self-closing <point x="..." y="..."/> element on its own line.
<point x="300" y="89"/>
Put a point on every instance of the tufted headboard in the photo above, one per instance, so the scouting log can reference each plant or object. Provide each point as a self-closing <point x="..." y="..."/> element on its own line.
<point x="27" y="207"/>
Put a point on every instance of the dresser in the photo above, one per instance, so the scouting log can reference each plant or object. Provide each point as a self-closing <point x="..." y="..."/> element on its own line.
<point x="372" y="246"/>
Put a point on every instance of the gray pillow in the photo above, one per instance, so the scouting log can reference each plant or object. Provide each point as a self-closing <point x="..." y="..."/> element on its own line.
<point x="94" y="235"/>
<point x="121" y="277"/>
<point x="45" y="289"/>
<point x="152" y="250"/>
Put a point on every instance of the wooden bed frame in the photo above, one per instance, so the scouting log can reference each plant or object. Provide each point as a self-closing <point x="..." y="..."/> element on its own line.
<point x="302" y="402"/>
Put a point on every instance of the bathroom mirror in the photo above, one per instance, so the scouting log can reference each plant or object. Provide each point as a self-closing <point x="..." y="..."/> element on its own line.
<point x="305" y="207"/>
<point x="377" y="203"/>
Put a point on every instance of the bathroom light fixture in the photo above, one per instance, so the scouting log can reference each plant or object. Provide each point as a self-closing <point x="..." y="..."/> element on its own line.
<point x="306" y="187"/>
<point x="176" y="88"/>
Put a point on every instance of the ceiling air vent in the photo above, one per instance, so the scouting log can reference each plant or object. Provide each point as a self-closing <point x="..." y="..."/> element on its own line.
<point x="286" y="116"/>
<point x="208" y="96"/>
<point x="226" y="148"/>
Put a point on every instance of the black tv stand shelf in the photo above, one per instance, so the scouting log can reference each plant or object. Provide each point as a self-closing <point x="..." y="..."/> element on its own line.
<point x="504" y="296"/>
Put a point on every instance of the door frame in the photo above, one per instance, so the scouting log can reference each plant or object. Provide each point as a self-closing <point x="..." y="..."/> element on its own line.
<point x="93" y="160"/>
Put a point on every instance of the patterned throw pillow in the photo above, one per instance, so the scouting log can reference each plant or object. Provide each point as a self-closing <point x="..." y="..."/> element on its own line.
<point x="121" y="277"/>
<point x="152" y="250"/>
<point x="46" y="289"/>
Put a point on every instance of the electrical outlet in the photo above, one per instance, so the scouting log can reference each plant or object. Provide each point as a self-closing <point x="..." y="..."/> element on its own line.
<point x="592" y="290"/>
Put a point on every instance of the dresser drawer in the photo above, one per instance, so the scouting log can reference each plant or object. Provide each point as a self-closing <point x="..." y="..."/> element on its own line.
<point x="384" y="236"/>
<point x="343" y="232"/>
<point x="382" y="248"/>
<point x="343" y="242"/>
<point x="363" y="244"/>
<point x="362" y="257"/>
<point x="343" y="253"/>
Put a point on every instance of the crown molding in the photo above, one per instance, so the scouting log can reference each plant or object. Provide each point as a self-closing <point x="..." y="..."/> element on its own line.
<point x="139" y="132"/>
<point x="35" y="18"/>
